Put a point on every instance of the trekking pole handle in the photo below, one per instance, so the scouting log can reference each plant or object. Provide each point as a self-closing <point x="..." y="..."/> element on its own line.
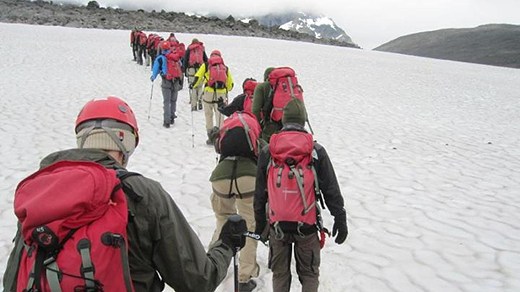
<point x="252" y="235"/>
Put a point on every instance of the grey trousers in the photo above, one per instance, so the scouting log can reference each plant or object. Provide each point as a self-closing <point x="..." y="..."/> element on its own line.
<point x="170" y="90"/>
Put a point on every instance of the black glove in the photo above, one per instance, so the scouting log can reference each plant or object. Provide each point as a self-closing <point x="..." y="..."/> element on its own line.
<point x="191" y="86"/>
<point x="340" y="228"/>
<point x="220" y="102"/>
<point x="232" y="233"/>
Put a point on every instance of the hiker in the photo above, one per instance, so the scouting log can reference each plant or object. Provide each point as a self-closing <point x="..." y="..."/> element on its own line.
<point x="194" y="57"/>
<point x="151" y="47"/>
<point x="162" y="247"/>
<point x="233" y="185"/>
<point x="141" y="47"/>
<point x="134" y="42"/>
<point x="167" y="64"/>
<point x="280" y="85"/>
<point x="218" y="82"/>
<point x="293" y="174"/>
<point x="243" y="101"/>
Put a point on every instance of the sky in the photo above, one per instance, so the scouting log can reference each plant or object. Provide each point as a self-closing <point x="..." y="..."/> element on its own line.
<point x="369" y="23"/>
<point x="426" y="152"/>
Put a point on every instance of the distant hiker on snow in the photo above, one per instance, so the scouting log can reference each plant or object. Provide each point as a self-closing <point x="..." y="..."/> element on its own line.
<point x="168" y="65"/>
<point x="233" y="185"/>
<point x="243" y="101"/>
<point x="279" y="87"/>
<point x="295" y="176"/>
<point x="218" y="82"/>
<point x="194" y="57"/>
<point x="134" y="42"/>
<point x="94" y="209"/>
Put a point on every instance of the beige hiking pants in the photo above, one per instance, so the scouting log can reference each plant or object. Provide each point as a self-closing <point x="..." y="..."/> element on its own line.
<point x="224" y="207"/>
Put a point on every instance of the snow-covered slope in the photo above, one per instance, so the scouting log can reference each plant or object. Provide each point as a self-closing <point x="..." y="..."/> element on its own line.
<point x="426" y="151"/>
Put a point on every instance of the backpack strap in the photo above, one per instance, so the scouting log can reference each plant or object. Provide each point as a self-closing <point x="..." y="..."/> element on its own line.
<point x="87" y="268"/>
<point x="246" y="129"/>
<point x="123" y="174"/>
<point x="298" y="174"/>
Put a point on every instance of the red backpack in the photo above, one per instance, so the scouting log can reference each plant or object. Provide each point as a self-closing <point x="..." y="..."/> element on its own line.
<point x="73" y="216"/>
<point x="239" y="135"/>
<point x="284" y="85"/>
<point x="217" y="72"/>
<point x="173" y="66"/>
<point x="292" y="183"/>
<point x="249" y="90"/>
<point x="196" y="54"/>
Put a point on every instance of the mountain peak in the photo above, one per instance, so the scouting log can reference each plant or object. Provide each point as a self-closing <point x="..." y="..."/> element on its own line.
<point x="319" y="26"/>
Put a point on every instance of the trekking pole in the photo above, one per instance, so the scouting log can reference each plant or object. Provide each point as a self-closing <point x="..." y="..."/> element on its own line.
<point x="235" y="218"/>
<point x="192" y="132"/>
<point x="150" y="103"/>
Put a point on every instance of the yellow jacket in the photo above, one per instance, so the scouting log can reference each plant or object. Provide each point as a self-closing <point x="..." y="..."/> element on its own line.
<point x="203" y="75"/>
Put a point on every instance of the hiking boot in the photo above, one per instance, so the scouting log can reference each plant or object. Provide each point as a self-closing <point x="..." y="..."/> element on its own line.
<point x="247" y="286"/>
<point x="194" y="108"/>
<point x="166" y="125"/>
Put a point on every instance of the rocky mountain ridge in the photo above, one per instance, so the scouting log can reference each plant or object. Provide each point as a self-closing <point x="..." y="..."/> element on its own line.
<point x="92" y="16"/>
<point x="491" y="44"/>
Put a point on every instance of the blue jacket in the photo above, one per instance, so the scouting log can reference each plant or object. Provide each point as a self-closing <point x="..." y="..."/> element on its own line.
<point x="159" y="65"/>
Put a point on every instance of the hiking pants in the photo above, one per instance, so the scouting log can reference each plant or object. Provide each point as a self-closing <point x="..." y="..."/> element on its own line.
<point x="307" y="255"/>
<point x="195" y="93"/>
<point x="211" y="108"/>
<point x="170" y="91"/>
<point x="135" y="49"/>
<point x="225" y="207"/>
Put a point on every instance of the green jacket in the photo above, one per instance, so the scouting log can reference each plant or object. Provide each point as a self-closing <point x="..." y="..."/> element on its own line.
<point x="260" y="98"/>
<point x="163" y="248"/>
<point x="224" y="169"/>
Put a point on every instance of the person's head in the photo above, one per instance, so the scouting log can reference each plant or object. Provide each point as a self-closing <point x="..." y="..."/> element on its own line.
<point x="194" y="41"/>
<point x="108" y="124"/>
<point x="294" y="113"/>
<point x="165" y="46"/>
<point x="267" y="71"/>
<point x="249" y="85"/>
<point x="215" y="53"/>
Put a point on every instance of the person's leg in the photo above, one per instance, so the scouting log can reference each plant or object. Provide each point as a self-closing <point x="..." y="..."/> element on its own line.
<point x="222" y="207"/>
<point x="166" y="89"/>
<point x="173" y="102"/>
<point x="248" y="267"/>
<point x="280" y="262"/>
<point x="208" y="110"/>
<point x="307" y="255"/>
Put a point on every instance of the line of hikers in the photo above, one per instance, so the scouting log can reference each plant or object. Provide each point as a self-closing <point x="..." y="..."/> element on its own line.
<point x="270" y="171"/>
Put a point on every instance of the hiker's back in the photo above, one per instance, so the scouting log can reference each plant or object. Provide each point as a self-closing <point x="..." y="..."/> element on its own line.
<point x="73" y="217"/>
<point x="291" y="178"/>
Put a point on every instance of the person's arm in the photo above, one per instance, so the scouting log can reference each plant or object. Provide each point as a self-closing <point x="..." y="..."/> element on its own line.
<point x="258" y="101"/>
<point x="328" y="183"/>
<point x="199" y="76"/>
<point x="185" y="60"/>
<point x="177" y="253"/>
<point x="229" y="81"/>
<point x="260" y="197"/>
<point x="156" y="67"/>
<point x="11" y="271"/>
<point x="236" y="105"/>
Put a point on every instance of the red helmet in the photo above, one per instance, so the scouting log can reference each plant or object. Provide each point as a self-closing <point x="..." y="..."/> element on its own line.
<point x="215" y="52"/>
<point x="165" y="45"/>
<point x="110" y="107"/>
